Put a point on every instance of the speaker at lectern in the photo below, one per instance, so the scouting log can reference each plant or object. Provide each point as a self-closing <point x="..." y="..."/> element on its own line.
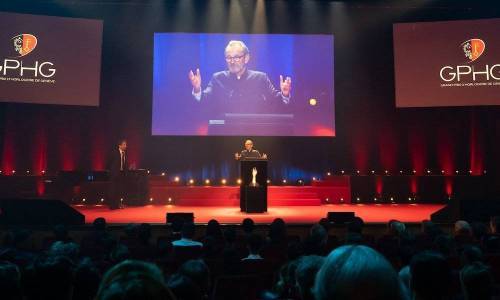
<point x="253" y="189"/>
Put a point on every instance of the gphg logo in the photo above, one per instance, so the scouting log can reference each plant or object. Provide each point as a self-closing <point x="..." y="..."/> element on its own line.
<point x="24" y="44"/>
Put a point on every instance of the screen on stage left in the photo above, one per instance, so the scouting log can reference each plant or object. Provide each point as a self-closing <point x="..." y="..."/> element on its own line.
<point x="50" y="60"/>
<point x="247" y="85"/>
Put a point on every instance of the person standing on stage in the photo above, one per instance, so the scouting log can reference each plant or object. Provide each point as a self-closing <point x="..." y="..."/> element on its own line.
<point x="249" y="152"/>
<point x="117" y="166"/>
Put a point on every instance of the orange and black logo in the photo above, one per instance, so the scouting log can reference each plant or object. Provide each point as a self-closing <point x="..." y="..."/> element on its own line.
<point x="473" y="49"/>
<point x="24" y="44"/>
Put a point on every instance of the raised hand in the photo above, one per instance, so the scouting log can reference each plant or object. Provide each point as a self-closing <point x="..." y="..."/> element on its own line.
<point x="264" y="156"/>
<point x="195" y="80"/>
<point x="285" y="85"/>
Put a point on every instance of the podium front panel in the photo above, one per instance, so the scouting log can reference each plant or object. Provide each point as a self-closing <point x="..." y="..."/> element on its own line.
<point x="253" y="193"/>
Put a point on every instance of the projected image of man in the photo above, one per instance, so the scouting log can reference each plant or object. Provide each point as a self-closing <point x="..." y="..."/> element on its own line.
<point x="239" y="89"/>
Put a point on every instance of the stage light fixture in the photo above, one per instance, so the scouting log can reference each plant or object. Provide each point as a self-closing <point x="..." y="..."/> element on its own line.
<point x="177" y="179"/>
<point x="342" y="172"/>
<point x="284" y="181"/>
<point x="442" y="171"/>
<point x="392" y="199"/>
<point x="329" y="174"/>
<point x="428" y="171"/>
<point x="27" y="171"/>
<point x="341" y="199"/>
<point x="13" y="171"/>
<point x="163" y="174"/>
<point x="43" y="171"/>
<point x="314" y="178"/>
<point x="268" y="181"/>
<point x="470" y="171"/>
<point x="207" y="181"/>
<point x="484" y="172"/>
<point x="409" y="198"/>
<point x="400" y="171"/>
<point x="121" y="199"/>
<point x="238" y="181"/>
<point x="169" y="199"/>
<point x="148" y="172"/>
<point x="300" y="182"/>
<point x="223" y="181"/>
<point x="327" y="199"/>
<point x="358" y="199"/>
<point x="83" y="200"/>
<point x="414" y="171"/>
<point x="357" y="172"/>
<point x="313" y="102"/>
<point x="191" y="181"/>
<point x="457" y="172"/>
<point x="102" y="199"/>
<point x="150" y="199"/>
<point x="373" y="171"/>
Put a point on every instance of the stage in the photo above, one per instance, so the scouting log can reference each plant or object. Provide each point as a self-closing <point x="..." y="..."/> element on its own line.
<point x="370" y="213"/>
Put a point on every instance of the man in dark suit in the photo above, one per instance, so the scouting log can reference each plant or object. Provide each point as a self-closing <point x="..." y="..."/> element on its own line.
<point x="117" y="166"/>
<point x="249" y="152"/>
<point x="237" y="89"/>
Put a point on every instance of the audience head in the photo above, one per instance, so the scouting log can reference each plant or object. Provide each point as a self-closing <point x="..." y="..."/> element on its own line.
<point x="430" y="276"/>
<point x="69" y="250"/>
<point x="305" y="274"/>
<point x="356" y="225"/>
<point x="99" y="224"/>
<point x="188" y="230"/>
<point x="396" y="227"/>
<point x="133" y="280"/>
<point x="357" y="272"/>
<point x="277" y="230"/>
<point x="471" y="254"/>
<point x="325" y="223"/>
<point x="476" y="282"/>
<point x="177" y="224"/>
<point x="462" y="228"/>
<point x="198" y="272"/>
<point x="213" y="229"/>
<point x="248" y="225"/>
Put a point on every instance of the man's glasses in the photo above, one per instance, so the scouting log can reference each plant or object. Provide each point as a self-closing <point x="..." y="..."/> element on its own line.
<point x="235" y="58"/>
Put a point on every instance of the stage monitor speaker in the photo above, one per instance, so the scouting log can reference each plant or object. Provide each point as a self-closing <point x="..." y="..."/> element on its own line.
<point x="38" y="212"/>
<point x="186" y="217"/>
<point x="340" y="217"/>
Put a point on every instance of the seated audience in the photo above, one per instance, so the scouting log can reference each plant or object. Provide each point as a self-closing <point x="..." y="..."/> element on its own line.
<point x="431" y="276"/>
<point x="187" y="235"/>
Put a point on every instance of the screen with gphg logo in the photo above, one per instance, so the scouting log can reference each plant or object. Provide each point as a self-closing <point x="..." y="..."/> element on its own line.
<point x="243" y="85"/>
<point x="50" y="60"/>
<point x="452" y="63"/>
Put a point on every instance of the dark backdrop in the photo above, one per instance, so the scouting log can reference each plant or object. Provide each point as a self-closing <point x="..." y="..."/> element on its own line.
<point x="371" y="132"/>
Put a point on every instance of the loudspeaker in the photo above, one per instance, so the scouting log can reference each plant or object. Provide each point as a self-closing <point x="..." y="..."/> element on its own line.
<point x="38" y="212"/>
<point x="186" y="217"/>
<point x="340" y="217"/>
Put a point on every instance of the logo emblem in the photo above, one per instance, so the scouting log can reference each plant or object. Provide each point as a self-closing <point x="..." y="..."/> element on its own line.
<point x="473" y="49"/>
<point x="24" y="44"/>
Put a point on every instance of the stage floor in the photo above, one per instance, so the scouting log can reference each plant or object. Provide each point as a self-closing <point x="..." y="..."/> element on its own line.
<point x="370" y="213"/>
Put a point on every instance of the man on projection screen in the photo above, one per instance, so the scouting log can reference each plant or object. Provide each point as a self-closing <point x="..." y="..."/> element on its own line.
<point x="239" y="89"/>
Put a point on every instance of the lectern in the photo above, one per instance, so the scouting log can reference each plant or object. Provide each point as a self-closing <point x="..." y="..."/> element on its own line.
<point x="253" y="189"/>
